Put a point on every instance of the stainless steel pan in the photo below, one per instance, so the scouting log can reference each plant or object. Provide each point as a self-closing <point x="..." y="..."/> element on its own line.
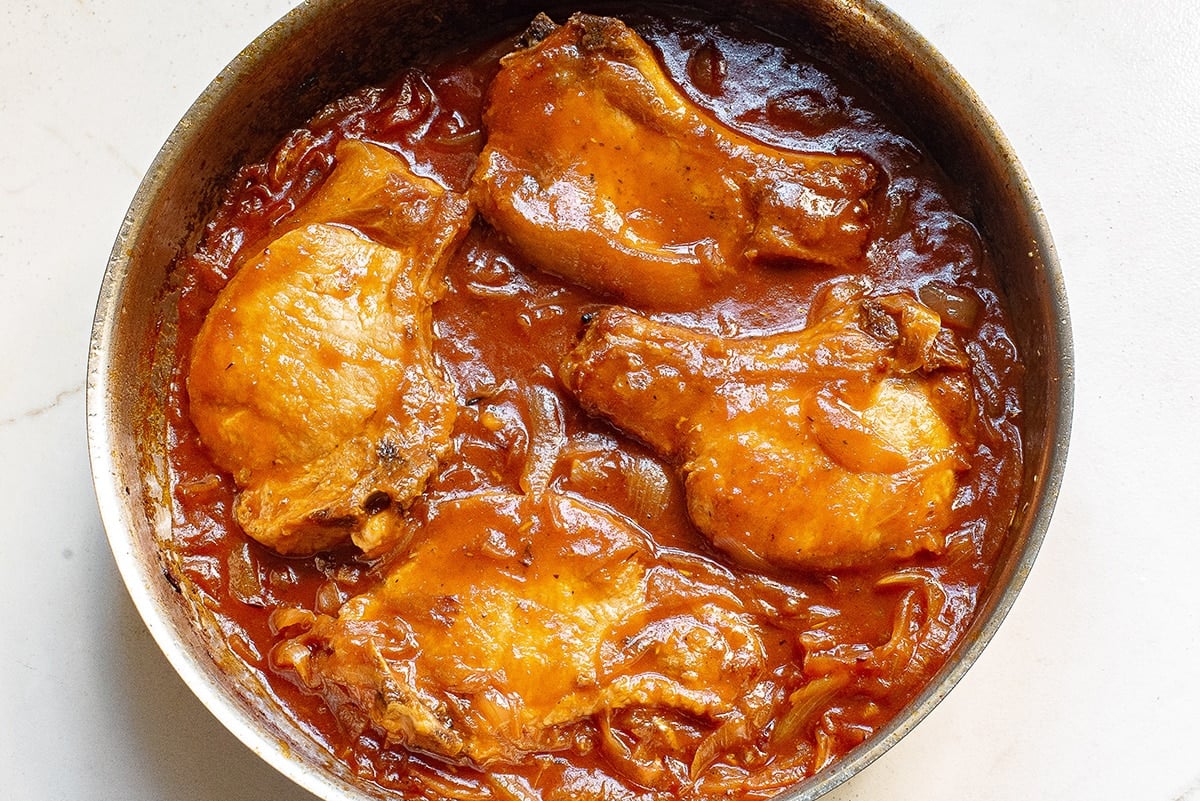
<point x="326" y="48"/>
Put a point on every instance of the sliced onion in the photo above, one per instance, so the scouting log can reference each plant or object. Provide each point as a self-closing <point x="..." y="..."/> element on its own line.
<point x="294" y="655"/>
<point x="958" y="307"/>
<point x="507" y="787"/>
<point x="632" y="764"/>
<point x="287" y="617"/>
<point x="448" y="785"/>
<point x="244" y="648"/>
<point x="825" y="750"/>
<point x="244" y="581"/>
<point x="330" y="598"/>
<point x="648" y="487"/>
<point x="201" y="488"/>
<point x="806" y="703"/>
<point x="547" y="437"/>
<point x="718" y="744"/>
<point x="925" y="622"/>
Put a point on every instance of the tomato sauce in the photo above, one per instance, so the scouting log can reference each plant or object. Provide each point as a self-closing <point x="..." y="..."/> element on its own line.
<point x="502" y="329"/>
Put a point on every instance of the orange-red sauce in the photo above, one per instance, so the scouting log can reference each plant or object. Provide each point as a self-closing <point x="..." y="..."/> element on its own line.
<point x="503" y="326"/>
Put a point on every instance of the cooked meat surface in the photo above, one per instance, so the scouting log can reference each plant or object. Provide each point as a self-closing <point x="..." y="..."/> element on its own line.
<point x="828" y="446"/>
<point x="312" y="380"/>
<point x="374" y="191"/>
<point x="599" y="169"/>
<point x="513" y="618"/>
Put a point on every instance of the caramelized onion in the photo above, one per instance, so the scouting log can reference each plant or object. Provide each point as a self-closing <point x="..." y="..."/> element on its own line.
<point x="203" y="488"/>
<point x="825" y="750"/>
<point x="958" y="307"/>
<point x="289" y="617"/>
<point x="783" y="773"/>
<point x="547" y="437"/>
<point x="648" y="487"/>
<point x="927" y="620"/>
<point x="648" y="772"/>
<point x="330" y="598"/>
<point x="244" y="580"/>
<point x="806" y="702"/>
<point x="294" y="655"/>
<point x="512" y="788"/>
<point x="718" y="744"/>
<point x="448" y="785"/>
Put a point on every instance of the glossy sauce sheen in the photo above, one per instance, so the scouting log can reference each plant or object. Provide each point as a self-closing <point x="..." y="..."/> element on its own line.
<point x="853" y="646"/>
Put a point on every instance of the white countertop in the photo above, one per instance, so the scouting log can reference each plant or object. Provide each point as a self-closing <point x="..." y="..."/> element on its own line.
<point x="1091" y="689"/>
